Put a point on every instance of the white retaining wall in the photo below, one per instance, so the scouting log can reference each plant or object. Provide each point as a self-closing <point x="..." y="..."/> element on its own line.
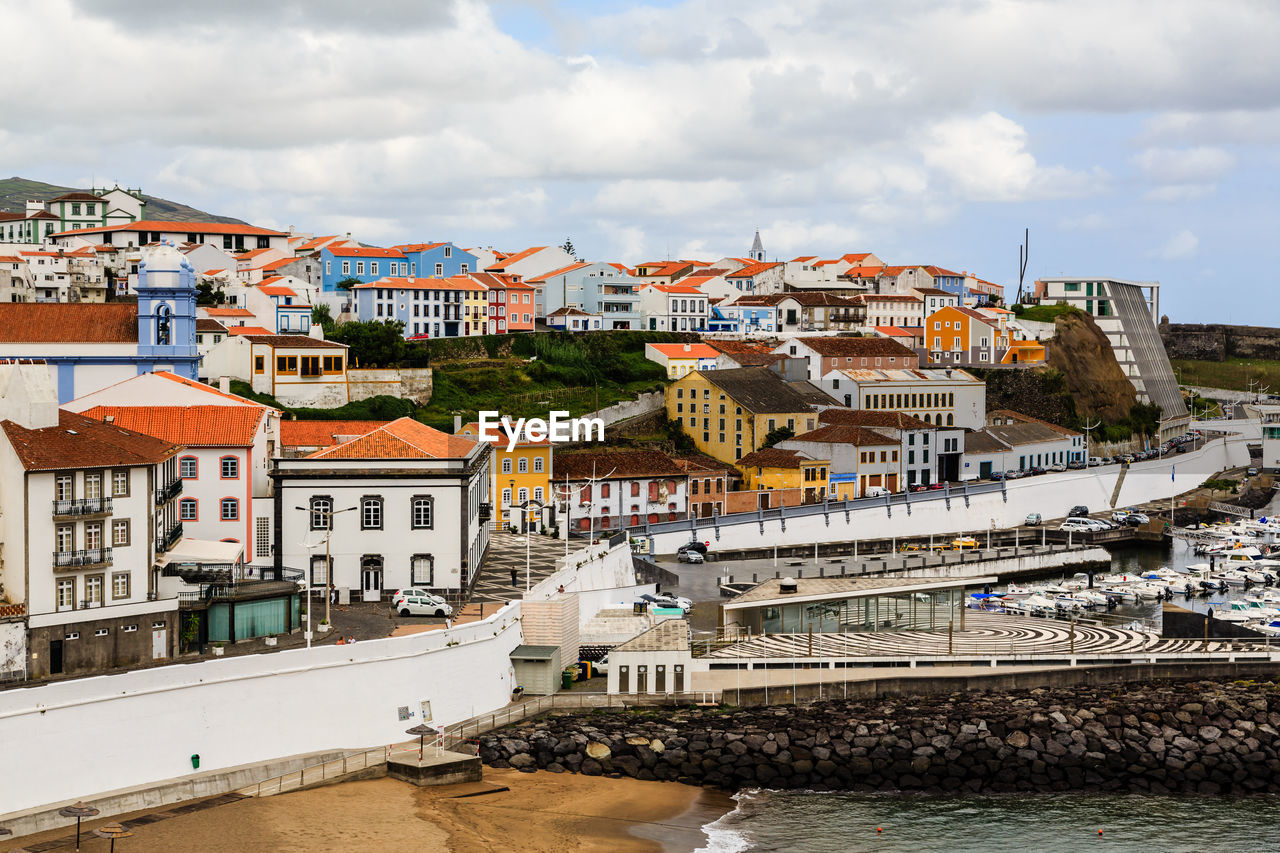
<point x="1051" y="495"/>
<point x="76" y="738"/>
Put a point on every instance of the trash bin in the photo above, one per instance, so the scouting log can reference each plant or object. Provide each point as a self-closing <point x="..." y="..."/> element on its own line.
<point x="566" y="679"/>
<point x="195" y="761"/>
<point x="344" y="595"/>
<point x="638" y="607"/>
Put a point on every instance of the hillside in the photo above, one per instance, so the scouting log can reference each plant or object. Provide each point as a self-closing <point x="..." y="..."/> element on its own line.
<point x="14" y="193"/>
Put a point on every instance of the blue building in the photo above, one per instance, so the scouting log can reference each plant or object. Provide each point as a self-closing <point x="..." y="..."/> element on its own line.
<point x="951" y="282"/>
<point x="365" y="263"/>
<point x="437" y="260"/>
<point x="89" y="346"/>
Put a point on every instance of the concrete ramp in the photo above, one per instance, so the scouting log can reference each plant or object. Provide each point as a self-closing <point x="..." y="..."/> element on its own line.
<point x="1115" y="493"/>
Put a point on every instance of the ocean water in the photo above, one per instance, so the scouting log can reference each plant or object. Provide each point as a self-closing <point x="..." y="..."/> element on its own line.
<point x="811" y="822"/>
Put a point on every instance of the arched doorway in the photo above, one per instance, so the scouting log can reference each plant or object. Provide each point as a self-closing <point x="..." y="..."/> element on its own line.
<point x="371" y="577"/>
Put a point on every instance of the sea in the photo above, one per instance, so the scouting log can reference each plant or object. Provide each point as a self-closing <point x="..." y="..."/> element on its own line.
<point x="820" y="822"/>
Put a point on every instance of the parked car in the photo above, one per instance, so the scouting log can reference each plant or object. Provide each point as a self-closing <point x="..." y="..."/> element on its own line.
<point x="1014" y="474"/>
<point x="1075" y="465"/>
<point x="874" y="492"/>
<point x="423" y="605"/>
<point x="1120" y="515"/>
<point x="1078" y="511"/>
<point x="663" y="599"/>
<point x="700" y="547"/>
<point x="689" y="556"/>
<point x="1057" y="466"/>
<point x="996" y="475"/>
<point x="1181" y="448"/>
<point x="919" y="487"/>
<point x="937" y="487"/>
<point x="1095" y="460"/>
<point x="1033" y="520"/>
<point x="405" y="593"/>
<point x="1252" y="472"/>
<point x="1080" y="525"/>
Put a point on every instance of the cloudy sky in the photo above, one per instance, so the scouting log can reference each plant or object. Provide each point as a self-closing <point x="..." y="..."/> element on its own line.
<point x="1136" y="139"/>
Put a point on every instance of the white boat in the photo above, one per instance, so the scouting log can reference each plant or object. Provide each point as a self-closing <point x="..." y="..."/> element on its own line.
<point x="1019" y="590"/>
<point x="1261" y="609"/>
<point x="1233" y="578"/>
<point x="1097" y="599"/>
<point x="1271" y="628"/>
<point x="1234" y="611"/>
<point x="1033" y="605"/>
<point x="1121" y="593"/>
<point x="1149" y="591"/>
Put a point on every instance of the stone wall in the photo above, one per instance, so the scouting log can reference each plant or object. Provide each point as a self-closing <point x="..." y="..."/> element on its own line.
<point x="408" y="383"/>
<point x="1158" y="737"/>
<point x="1215" y="342"/>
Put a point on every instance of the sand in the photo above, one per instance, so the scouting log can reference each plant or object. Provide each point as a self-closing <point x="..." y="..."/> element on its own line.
<point x="542" y="813"/>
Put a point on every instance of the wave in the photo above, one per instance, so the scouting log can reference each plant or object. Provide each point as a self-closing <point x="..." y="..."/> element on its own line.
<point x="725" y="834"/>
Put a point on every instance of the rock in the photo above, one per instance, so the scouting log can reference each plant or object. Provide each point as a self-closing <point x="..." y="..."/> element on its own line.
<point x="598" y="750"/>
<point x="1017" y="740"/>
<point x="657" y="746"/>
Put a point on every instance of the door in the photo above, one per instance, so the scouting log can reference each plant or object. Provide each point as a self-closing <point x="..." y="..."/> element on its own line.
<point x="371" y="578"/>
<point x="764" y="500"/>
<point x="984" y="470"/>
<point x="642" y="679"/>
<point x="679" y="678"/>
<point x="660" y="678"/>
<point x="624" y="673"/>
<point x="55" y="657"/>
<point x="159" y="643"/>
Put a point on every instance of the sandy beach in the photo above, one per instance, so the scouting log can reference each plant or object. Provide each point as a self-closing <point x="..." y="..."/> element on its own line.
<point x="542" y="813"/>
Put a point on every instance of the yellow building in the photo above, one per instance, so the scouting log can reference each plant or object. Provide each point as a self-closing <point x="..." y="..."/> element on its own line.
<point x="520" y="474"/>
<point x="728" y="413"/>
<point x="775" y="468"/>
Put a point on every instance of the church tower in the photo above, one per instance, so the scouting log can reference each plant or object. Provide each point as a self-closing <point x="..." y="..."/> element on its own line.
<point x="757" y="249"/>
<point x="167" y="312"/>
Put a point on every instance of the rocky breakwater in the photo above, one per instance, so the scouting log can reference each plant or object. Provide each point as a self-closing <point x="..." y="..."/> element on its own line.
<point x="1207" y="738"/>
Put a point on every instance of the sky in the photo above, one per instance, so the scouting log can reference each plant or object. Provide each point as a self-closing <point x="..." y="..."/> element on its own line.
<point x="1134" y="139"/>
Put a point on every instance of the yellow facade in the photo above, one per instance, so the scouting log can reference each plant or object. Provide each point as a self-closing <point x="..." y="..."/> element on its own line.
<point x="809" y="475"/>
<point x="520" y="474"/>
<point x="719" y="425"/>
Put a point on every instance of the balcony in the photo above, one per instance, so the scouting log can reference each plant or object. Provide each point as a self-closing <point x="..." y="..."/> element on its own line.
<point x="169" y="492"/>
<point x="486" y="511"/>
<point x="167" y="541"/>
<point x="89" y="558"/>
<point x="83" y="508"/>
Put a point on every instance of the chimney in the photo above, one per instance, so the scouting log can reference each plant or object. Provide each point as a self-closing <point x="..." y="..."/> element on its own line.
<point x="224" y="384"/>
<point x="688" y="347"/>
<point x="457" y="424"/>
<point x="788" y="585"/>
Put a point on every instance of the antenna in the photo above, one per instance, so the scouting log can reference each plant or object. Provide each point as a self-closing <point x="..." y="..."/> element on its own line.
<point x="1024" y="255"/>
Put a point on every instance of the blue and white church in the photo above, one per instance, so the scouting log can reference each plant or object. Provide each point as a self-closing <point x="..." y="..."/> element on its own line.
<point x="90" y="346"/>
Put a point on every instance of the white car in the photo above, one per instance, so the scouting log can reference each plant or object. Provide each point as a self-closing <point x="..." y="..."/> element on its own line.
<point x="423" y="605"/>
<point x="690" y="556"/>
<point x="401" y="594"/>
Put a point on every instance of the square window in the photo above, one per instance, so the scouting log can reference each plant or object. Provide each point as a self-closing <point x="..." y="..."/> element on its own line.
<point x="230" y="509"/>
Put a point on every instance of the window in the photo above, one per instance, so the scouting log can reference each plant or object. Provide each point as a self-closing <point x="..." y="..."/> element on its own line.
<point x="286" y="364"/>
<point x="422" y="570"/>
<point x="371" y="513"/>
<point x="93" y="486"/>
<point x="230" y="468"/>
<point x="93" y="591"/>
<point x="259" y="364"/>
<point x="188" y="509"/>
<point x="424" y="512"/>
<point x="346" y="267"/>
<point x="373" y="267"/>
<point x="439" y="269"/>
<point x="120" y="484"/>
<point x="537" y="494"/>
<point x="93" y="536"/>
<point x="506" y="497"/>
<point x="359" y="267"/>
<point x="522" y="496"/>
<point x="311" y="365"/>
<point x="67" y="594"/>
<point x="120" y="532"/>
<point x="262" y="536"/>
<point x="65" y="537"/>
<point x="64" y="487"/>
<point x="319" y="571"/>
<point x="523" y="466"/>
<point x="506" y="466"/>
<point x="230" y="509"/>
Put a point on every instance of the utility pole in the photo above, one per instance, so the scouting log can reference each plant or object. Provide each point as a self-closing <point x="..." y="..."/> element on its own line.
<point x="1088" y="428"/>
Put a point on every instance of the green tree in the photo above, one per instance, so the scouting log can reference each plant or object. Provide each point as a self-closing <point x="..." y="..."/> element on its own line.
<point x="348" y="283"/>
<point x="372" y="343"/>
<point x="782" y="433"/>
<point x="206" y="295"/>
<point x="321" y="316"/>
<point x="568" y="247"/>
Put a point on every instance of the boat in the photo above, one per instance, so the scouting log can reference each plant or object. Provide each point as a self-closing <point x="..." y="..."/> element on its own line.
<point x="1033" y="605"/>
<point x="1234" y="611"/>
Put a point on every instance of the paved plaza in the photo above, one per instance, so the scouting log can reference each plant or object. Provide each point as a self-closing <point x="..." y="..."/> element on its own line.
<point x="507" y="552"/>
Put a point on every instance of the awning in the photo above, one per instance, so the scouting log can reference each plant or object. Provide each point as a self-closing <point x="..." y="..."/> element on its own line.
<point x="198" y="551"/>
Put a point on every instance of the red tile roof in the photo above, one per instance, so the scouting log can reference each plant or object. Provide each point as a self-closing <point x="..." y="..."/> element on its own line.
<point x="546" y="275"/>
<point x="291" y="341"/>
<point x="499" y="281"/>
<point x="166" y="227"/>
<point x="752" y="271"/>
<point x="277" y="290"/>
<point x="81" y="442"/>
<point x="846" y="434"/>
<point x="227" y="312"/>
<point x="193" y="426"/>
<point x="853" y="347"/>
<point x="277" y="264"/>
<point x="673" y="288"/>
<point x="248" y="330"/>
<point x="323" y="433"/>
<point x="208" y="389"/>
<point x="208" y="324"/>
<point x="251" y="254"/>
<point x="404" y="438"/>
<point x="866" y="418"/>
<point x="363" y="252"/>
<point x="315" y="243"/>
<point x="679" y="351"/>
<point x="457" y="282"/>
<point x="614" y="465"/>
<point x="69" y="322"/>
<point x="511" y="259"/>
<point x="773" y="457"/>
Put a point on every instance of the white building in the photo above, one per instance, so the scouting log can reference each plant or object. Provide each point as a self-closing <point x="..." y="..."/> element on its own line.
<point x="673" y="308"/>
<point x="948" y="397"/>
<point x="1018" y="447"/>
<point x="298" y="370"/>
<point x="626" y="488"/>
<point x="408" y="506"/>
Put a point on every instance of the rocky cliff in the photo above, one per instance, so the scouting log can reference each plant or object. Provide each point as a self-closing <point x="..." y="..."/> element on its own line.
<point x="1200" y="737"/>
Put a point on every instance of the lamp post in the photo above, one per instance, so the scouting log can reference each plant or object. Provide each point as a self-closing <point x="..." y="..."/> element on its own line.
<point x="524" y="512"/>
<point x="78" y="811"/>
<point x="328" y="515"/>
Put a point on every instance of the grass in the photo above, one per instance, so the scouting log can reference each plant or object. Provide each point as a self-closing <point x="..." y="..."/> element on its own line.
<point x="1044" y="313"/>
<point x="1233" y="374"/>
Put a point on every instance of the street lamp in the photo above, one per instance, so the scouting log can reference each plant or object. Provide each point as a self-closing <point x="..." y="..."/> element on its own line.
<point x="328" y="515"/>
<point x="524" y="512"/>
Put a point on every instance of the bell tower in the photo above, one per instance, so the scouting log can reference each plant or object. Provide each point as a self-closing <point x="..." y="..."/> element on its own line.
<point x="757" y="249"/>
<point x="167" y="310"/>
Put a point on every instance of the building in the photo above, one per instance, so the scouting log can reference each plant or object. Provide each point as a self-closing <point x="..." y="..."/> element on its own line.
<point x="785" y="468"/>
<point x="531" y="262"/>
<point x="16" y="280"/>
<point x="611" y="489"/>
<point x="800" y="312"/>
<point x="1018" y="446"/>
<point x="573" y="320"/>
<point x="438" y="260"/>
<point x="279" y="307"/>
<point x="90" y="346"/>
<point x="70" y="212"/>
<point x="674" y="308"/>
<point x="297" y="370"/>
<point x="90" y="508"/>
<point x="404" y="505"/>
<point x="930" y="453"/>
<point x="1270" y="416"/>
<point x="858" y="458"/>
<point x="728" y="413"/>
<point x="597" y="288"/>
<point x="428" y="307"/>
<point x="344" y="262"/>
<point x="229" y="236"/>
<point x="759" y="277"/>
<point x="510" y="304"/>
<point x="892" y="309"/>
<point x="679" y="359"/>
<point x="968" y="336"/>
<point x="302" y="438"/>
<point x="947" y="397"/>
<point x="1128" y="313"/>
<point x="827" y="354"/>
<point x="935" y="299"/>
<point x="520" y="474"/>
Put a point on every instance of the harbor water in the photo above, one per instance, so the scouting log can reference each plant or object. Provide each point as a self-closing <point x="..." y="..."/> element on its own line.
<point x="812" y="822"/>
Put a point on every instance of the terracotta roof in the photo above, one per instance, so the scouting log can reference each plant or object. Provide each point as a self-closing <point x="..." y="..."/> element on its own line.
<point x="845" y="434"/>
<point x="511" y="259"/>
<point x="403" y="438"/>
<point x="193" y="426"/>
<point x="11" y="259"/>
<point x="501" y="436"/>
<point x="937" y="271"/>
<point x="812" y="298"/>
<point x="181" y="228"/>
<point x="757" y="389"/>
<point x="315" y="242"/>
<point x="802" y="259"/>
<point x="251" y="254"/>
<point x="208" y="324"/>
<point x="81" y="442"/>
<point x="889" y="297"/>
<point x="673" y="288"/>
<point x="69" y="322"/>
<point x="664" y="268"/>
<point x="864" y="418"/>
<point x="418" y="247"/>
<point x="279" y="262"/>
<point x="569" y="310"/>
<point x="323" y="433"/>
<point x="696" y="280"/>
<point x="855" y="347"/>
<point x="457" y="282"/>
<point x="679" y="351"/>
<point x="614" y="465"/>
<point x="291" y="341"/>
<point x="363" y="252"/>
<point x="734" y="347"/>
<point x="1027" y="419"/>
<point x="499" y="281"/>
<point x="76" y="197"/>
<point x="752" y="271"/>
<point x="248" y="330"/>
<point x="893" y="332"/>
<point x="277" y="290"/>
<point x="773" y="457"/>
<point x="933" y="291"/>
<point x="546" y="275"/>
<point x="227" y="312"/>
<point x="862" y="272"/>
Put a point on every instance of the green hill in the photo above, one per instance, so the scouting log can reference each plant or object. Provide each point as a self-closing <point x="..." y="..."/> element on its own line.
<point x="14" y="193"/>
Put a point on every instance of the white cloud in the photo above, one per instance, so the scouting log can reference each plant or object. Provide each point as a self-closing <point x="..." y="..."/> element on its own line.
<point x="1178" y="247"/>
<point x="1185" y="165"/>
